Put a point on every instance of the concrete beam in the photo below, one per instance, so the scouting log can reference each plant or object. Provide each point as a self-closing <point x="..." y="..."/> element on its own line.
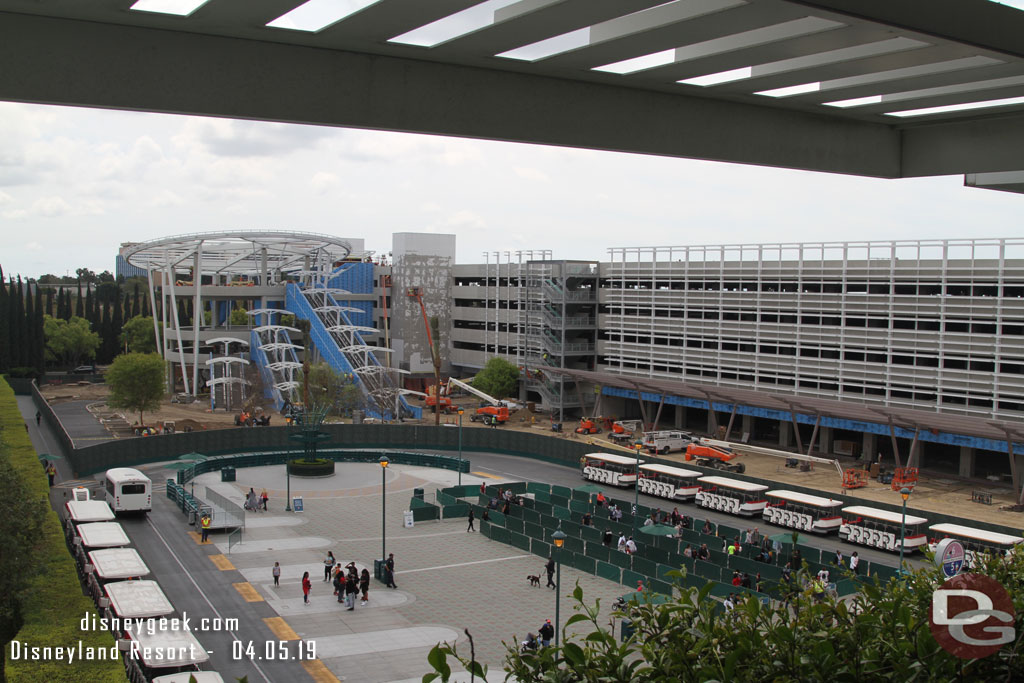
<point x="69" y="62"/>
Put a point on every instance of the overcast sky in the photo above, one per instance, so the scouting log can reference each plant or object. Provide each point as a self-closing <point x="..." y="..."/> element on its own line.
<point x="75" y="183"/>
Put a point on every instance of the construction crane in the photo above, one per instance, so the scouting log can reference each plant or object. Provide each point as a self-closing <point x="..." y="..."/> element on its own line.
<point x="495" y="413"/>
<point x="435" y="353"/>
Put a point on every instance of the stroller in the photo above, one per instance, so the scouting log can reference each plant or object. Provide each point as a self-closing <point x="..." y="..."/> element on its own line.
<point x="253" y="503"/>
<point x="530" y="644"/>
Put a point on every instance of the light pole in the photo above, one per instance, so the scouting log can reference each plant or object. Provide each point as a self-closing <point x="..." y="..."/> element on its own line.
<point x="558" y="538"/>
<point x="905" y="492"/>
<point x="460" y="446"/>
<point x="636" y="487"/>
<point x="383" y="500"/>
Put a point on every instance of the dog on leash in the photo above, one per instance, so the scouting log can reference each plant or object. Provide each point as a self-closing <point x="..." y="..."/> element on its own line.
<point x="534" y="580"/>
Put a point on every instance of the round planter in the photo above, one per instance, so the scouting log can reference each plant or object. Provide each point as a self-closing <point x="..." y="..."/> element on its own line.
<point x="321" y="467"/>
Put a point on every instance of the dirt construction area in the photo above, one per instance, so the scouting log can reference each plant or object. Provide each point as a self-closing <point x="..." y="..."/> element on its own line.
<point x="938" y="492"/>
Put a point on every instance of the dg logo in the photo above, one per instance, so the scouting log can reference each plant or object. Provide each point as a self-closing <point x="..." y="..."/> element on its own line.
<point x="972" y="616"/>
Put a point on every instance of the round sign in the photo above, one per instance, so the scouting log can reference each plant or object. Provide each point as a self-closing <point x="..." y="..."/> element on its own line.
<point x="972" y="616"/>
<point x="949" y="557"/>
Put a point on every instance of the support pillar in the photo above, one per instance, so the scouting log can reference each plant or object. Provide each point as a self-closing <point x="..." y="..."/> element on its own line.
<point x="785" y="434"/>
<point x="680" y="417"/>
<point x="966" y="461"/>
<point x="825" y="440"/>
<point x="732" y="419"/>
<point x="869" y="447"/>
<point x="814" y="433"/>
<point x="747" y="428"/>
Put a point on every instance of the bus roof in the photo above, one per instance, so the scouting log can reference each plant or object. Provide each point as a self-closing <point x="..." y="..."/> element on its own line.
<point x="733" y="484"/>
<point x="805" y="499"/>
<point x="884" y="515"/>
<point x="102" y="535"/>
<point x="90" y="511"/>
<point x="198" y="676"/>
<point x="976" y="534"/>
<point x="138" y="599"/>
<point x="118" y="563"/>
<point x="169" y="643"/>
<point x="668" y="469"/>
<point x="126" y="474"/>
<point x="608" y="457"/>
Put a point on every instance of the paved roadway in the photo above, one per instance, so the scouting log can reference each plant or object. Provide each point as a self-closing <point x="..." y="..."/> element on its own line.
<point x="448" y="579"/>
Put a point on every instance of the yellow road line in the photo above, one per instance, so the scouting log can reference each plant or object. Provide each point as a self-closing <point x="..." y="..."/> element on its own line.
<point x="222" y="563"/>
<point x="484" y="474"/>
<point x="319" y="672"/>
<point x="280" y="628"/>
<point x="246" y="590"/>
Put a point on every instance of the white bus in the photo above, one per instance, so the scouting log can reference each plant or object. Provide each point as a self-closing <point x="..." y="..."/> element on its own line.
<point x="975" y="541"/>
<point x="666" y="481"/>
<point x="802" y="511"/>
<point x="198" y="676"/>
<point x="881" y="528"/>
<point x="617" y="470"/>
<point x="129" y="490"/>
<point x="731" y="495"/>
<point x="112" y="564"/>
<point x="136" y="600"/>
<point x="102" y="535"/>
<point x="157" y="653"/>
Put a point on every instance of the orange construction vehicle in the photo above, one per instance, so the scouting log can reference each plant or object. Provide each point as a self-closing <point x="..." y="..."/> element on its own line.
<point x="623" y="431"/>
<point x="716" y="457"/>
<point x="588" y="426"/>
<point x="491" y="415"/>
<point x="445" y="404"/>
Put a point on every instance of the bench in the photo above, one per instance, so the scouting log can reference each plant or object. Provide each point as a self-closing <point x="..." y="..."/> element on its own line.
<point x="981" y="497"/>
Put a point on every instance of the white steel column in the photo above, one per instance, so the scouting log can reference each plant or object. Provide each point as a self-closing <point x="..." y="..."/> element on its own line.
<point x="197" y="315"/>
<point x="177" y="324"/>
<point x="152" y="305"/>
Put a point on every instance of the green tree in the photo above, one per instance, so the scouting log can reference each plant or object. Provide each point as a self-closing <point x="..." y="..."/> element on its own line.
<point x="69" y="341"/>
<point x="137" y="335"/>
<point x="879" y="634"/>
<point x="498" y="378"/>
<point x="332" y="390"/>
<point x="136" y="382"/>
<point x="238" y="317"/>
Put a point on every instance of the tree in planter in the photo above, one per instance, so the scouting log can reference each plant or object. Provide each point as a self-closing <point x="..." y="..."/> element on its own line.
<point x="69" y="341"/>
<point x="498" y="378"/>
<point x="136" y="382"/>
<point x="332" y="390"/>
<point x="879" y="634"/>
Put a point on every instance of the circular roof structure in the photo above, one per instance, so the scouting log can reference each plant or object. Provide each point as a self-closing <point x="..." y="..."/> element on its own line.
<point x="242" y="252"/>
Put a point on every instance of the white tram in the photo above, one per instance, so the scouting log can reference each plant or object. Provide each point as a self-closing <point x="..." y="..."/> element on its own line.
<point x="731" y="495"/>
<point x="606" y="468"/>
<point x="665" y="481"/>
<point x="802" y="511"/>
<point x="881" y="528"/>
<point x="975" y="541"/>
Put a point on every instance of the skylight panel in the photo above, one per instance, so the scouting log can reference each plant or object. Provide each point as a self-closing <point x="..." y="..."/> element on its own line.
<point x="552" y="46"/>
<point x="720" y="77"/>
<point x="454" y="25"/>
<point x="964" y="106"/>
<point x="181" y="8"/>
<point x="628" y="66"/>
<point x="855" y="102"/>
<point x="791" y="90"/>
<point x="1016" y="4"/>
<point x="316" y="15"/>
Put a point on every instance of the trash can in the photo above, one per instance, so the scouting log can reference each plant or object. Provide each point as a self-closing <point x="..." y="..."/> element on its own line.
<point x="227" y="474"/>
<point x="378" y="570"/>
<point x="417" y="493"/>
<point x="407" y="516"/>
<point x="625" y="630"/>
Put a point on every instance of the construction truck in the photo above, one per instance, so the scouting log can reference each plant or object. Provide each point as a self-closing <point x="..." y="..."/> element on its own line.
<point x="714" y="456"/>
<point x="667" y="440"/>
<point x="623" y="430"/>
<point x="494" y="413"/>
<point x="588" y="426"/>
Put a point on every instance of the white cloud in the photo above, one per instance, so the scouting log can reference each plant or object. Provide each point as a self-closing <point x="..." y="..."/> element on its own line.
<point x="50" y="207"/>
<point x="5" y="198"/>
<point x="531" y="174"/>
<point x="15" y="215"/>
<point x="323" y="182"/>
<point x="33" y="246"/>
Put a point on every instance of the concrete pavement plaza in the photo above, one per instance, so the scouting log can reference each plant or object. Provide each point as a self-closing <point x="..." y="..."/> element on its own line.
<point x="448" y="580"/>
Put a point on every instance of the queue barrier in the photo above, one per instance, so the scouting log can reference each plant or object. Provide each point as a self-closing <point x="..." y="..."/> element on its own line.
<point x="609" y="571"/>
<point x="539" y="547"/>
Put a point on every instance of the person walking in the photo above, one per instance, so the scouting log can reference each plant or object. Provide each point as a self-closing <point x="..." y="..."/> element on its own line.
<point x="264" y="498"/>
<point x="39" y="417"/>
<point x="364" y="585"/>
<point x="854" y="561"/>
<point x="471" y="518"/>
<point x="389" y="571"/>
<point x="328" y="565"/>
<point x="205" y="524"/>
<point x="306" y="587"/>
<point x="547" y="632"/>
<point x="276" y="571"/>
<point x="351" y="587"/>
<point x="550" y="569"/>
<point x="339" y="584"/>
<point x="51" y="472"/>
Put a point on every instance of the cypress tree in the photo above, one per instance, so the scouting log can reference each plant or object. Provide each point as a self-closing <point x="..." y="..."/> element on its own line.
<point x="20" y="347"/>
<point x="79" y="302"/>
<point x="48" y="310"/>
<point x="30" y="329"/>
<point x="116" y="323"/>
<point x="5" y="342"/>
<point x="104" y="354"/>
<point x="39" y="357"/>
<point x="90" y="308"/>
<point x="136" y="302"/>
